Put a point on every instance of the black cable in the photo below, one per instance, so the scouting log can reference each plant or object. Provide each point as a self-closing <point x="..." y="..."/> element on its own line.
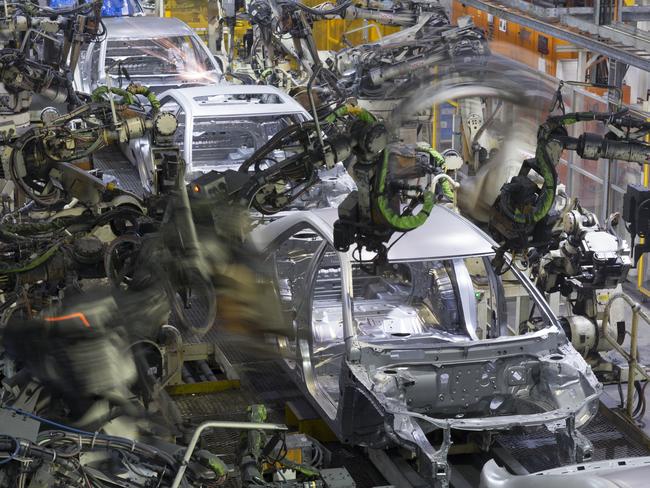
<point x="395" y="242"/>
<point x="275" y="142"/>
<point x="643" y="408"/>
<point x="621" y="403"/>
<point x="46" y="201"/>
<point x="16" y="449"/>
<point x="639" y="404"/>
<point x="322" y="12"/>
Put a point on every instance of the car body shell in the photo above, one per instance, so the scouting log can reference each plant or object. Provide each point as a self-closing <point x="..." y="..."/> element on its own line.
<point x="396" y="390"/>
<point x="614" y="473"/>
<point x="230" y="109"/>
<point x="234" y="107"/>
<point x="89" y="75"/>
<point x="186" y="104"/>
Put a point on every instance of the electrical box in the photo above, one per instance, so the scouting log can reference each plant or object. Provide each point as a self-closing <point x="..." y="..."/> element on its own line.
<point x="636" y="212"/>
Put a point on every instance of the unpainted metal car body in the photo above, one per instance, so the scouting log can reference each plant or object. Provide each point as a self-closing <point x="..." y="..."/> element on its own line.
<point x="397" y="353"/>
<point x="157" y="52"/>
<point x="220" y="126"/>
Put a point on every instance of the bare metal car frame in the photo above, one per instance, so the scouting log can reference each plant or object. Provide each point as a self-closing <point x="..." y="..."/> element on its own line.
<point x="90" y="72"/>
<point x="396" y="391"/>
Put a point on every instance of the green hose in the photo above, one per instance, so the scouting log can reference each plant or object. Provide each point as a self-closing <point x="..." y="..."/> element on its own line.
<point x="546" y="164"/>
<point x="547" y="171"/>
<point x="128" y="95"/>
<point x="98" y="94"/>
<point x="401" y="222"/>
<point x="35" y="263"/>
<point x="148" y="94"/>
<point x="439" y="160"/>
<point x="354" y="110"/>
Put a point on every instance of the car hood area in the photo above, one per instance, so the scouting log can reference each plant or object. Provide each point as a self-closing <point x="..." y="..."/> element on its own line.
<point x="483" y="385"/>
<point x="402" y="394"/>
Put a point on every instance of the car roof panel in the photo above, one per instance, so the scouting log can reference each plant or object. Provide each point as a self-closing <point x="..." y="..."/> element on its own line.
<point x="188" y="98"/>
<point x="145" y="27"/>
<point x="444" y="235"/>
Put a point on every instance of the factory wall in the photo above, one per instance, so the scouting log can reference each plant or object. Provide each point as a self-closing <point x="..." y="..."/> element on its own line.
<point x="515" y="41"/>
<point x="547" y="54"/>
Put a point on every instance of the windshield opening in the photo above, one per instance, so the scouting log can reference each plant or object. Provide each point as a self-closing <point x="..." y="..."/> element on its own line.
<point x="450" y="300"/>
<point x="176" y="55"/>
<point x="230" y="142"/>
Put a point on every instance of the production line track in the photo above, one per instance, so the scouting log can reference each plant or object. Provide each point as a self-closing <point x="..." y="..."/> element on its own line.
<point x="523" y="454"/>
<point x="263" y="380"/>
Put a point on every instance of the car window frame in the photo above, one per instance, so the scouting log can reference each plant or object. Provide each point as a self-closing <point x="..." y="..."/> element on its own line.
<point x="304" y="337"/>
<point x="189" y="139"/>
<point x="353" y="344"/>
<point x="197" y="43"/>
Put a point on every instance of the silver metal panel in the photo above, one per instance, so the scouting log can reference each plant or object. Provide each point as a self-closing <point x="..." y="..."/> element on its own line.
<point x="143" y="27"/>
<point x="631" y="472"/>
<point x="445" y="234"/>
<point x="395" y="391"/>
<point x="186" y="98"/>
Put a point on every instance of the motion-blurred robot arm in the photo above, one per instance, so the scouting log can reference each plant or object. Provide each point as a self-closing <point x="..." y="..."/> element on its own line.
<point x="376" y="70"/>
<point x="565" y="247"/>
<point x="384" y="202"/>
<point x="284" y="28"/>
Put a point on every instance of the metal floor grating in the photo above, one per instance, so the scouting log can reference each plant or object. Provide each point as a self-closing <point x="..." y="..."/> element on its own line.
<point x="263" y="382"/>
<point x="112" y="162"/>
<point x="269" y="381"/>
<point x="538" y="451"/>
<point x="258" y="379"/>
<point x="237" y="349"/>
<point x="223" y="405"/>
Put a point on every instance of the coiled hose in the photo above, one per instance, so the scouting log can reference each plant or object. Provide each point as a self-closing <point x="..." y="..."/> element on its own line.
<point x="546" y="159"/>
<point x="401" y="222"/>
<point x="128" y="95"/>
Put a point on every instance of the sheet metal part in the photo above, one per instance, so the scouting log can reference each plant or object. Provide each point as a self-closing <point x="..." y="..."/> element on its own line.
<point x="536" y="451"/>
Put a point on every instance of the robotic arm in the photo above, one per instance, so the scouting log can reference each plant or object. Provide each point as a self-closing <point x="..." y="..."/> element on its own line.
<point x="41" y="160"/>
<point x="39" y="50"/>
<point x="522" y="213"/>
<point x="374" y="70"/>
<point x="368" y="217"/>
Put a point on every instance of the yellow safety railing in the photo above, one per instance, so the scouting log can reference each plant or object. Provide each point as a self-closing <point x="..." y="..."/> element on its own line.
<point x="632" y="357"/>
<point x="641" y="267"/>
